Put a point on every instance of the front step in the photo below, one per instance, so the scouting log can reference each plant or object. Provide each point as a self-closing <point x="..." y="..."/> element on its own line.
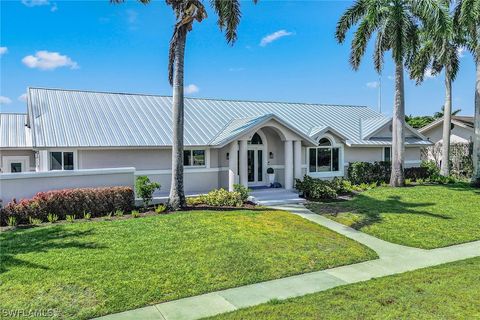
<point x="272" y="197"/>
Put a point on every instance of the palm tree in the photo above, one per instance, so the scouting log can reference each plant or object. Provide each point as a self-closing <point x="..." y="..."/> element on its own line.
<point x="439" y="114"/>
<point x="395" y="23"/>
<point x="467" y="14"/>
<point x="187" y="12"/>
<point x="437" y="54"/>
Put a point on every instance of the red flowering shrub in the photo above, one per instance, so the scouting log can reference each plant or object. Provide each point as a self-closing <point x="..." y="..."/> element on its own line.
<point x="97" y="201"/>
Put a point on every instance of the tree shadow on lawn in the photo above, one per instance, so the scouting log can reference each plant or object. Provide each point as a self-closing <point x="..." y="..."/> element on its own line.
<point x="38" y="240"/>
<point x="370" y="209"/>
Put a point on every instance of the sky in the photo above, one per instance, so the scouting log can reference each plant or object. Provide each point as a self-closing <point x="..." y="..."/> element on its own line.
<point x="286" y="51"/>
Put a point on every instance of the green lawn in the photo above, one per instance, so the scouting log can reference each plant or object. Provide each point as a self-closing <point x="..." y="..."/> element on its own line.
<point x="88" y="269"/>
<point x="449" y="291"/>
<point x="420" y="216"/>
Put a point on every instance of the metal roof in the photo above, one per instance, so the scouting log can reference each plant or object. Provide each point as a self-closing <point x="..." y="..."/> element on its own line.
<point x="71" y="118"/>
<point x="13" y="132"/>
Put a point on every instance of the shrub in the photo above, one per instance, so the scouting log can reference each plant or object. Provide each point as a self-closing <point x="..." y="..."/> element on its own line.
<point x="108" y="216"/>
<point x="145" y="189"/>
<point x="135" y="214"/>
<point x="118" y="213"/>
<point x="97" y="201"/>
<point x="11" y="221"/>
<point x="52" y="218"/>
<point x="417" y="173"/>
<point x="432" y="170"/>
<point x="244" y="192"/>
<point x="195" y="201"/>
<point x="366" y="172"/>
<point x="34" y="221"/>
<point x="161" y="208"/>
<point x="317" y="189"/>
<point x="222" y="198"/>
<point x="70" y="218"/>
<point x="87" y="215"/>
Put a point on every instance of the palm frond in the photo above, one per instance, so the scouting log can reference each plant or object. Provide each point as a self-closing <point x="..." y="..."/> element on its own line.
<point x="350" y="18"/>
<point x="229" y="14"/>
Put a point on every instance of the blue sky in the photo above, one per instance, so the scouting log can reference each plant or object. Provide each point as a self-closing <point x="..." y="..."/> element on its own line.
<point x="95" y="45"/>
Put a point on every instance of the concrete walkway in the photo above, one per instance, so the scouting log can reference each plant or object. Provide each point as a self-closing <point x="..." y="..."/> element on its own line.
<point x="393" y="259"/>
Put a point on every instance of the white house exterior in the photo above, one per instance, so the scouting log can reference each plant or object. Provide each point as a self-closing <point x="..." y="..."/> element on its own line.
<point x="461" y="130"/>
<point x="226" y="141"/>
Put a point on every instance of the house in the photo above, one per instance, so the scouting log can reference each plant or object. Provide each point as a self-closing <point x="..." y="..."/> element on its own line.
<point x="461" y="130"/>
<point x="226" y="141"/>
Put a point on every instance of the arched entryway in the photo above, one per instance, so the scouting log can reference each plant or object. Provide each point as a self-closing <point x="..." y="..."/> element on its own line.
<point x="257" y="159"/>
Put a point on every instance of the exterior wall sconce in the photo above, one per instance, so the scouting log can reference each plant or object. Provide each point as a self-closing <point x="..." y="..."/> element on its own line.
<point x="228" y="155"/>
<point x="270" y="155"/>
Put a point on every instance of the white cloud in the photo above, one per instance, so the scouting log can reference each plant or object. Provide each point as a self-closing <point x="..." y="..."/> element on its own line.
<point x="23" y="98"/>
<point x="191" y="88"/>
<point x="5" y="100"/>
<point x="35" y="3"/>
<point x="274" y="36"/>
<point x="3" y="50"/>
<point x="373" y="84"/>
<point x="46" y="60"/>
<point x="429" y="73"/>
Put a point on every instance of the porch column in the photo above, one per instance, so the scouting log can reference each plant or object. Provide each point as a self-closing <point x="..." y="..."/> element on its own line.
<point x="243" y="163"/>
<point x="297" y="163"/>
<point x="288" y="164"/>
<point x="232" y="165"/>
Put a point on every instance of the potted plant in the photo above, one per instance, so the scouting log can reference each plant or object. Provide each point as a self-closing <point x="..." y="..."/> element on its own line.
<point x="271" y="175"/>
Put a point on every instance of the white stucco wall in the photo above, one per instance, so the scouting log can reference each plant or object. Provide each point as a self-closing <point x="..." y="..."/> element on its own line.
<point x="458" y="134"/>
<point x="141" y="159"/>
<point x="26" y="185"/>
<point x="18" y="153"/>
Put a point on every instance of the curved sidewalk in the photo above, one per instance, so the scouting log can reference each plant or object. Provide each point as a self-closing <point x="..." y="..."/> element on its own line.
<point x="393" y="259"/>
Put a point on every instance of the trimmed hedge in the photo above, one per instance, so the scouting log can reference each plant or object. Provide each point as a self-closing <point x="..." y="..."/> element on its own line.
<point x="96" y="201"/>
<point x="379" y="172"/>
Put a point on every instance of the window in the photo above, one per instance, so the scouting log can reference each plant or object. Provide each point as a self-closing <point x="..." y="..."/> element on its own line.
<point x="387" y="154"/>
<point x="194" y="158"/>
<point x="61" y="161"/>
<point x="256" y="139"/>
<point x="16" y="167"/>
<point x="324" y="158"/>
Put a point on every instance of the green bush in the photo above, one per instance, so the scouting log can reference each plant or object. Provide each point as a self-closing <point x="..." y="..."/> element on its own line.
<point x="417" y="173"/>
<point x="11" y="221"/>
<point x="161" y="208"/>
<point x="135" y="214"/>
<point x="70" y="218"/>
<point x="52" y="218"/>
<point x="145" y="189"/>
<point x="244" y="191"/>
<point x="366" y="172"/>
<point x="222" y="198"/>
<point x="317" y="189"/>
<point x="433" y="172"/>
<point x="195" y="201"/>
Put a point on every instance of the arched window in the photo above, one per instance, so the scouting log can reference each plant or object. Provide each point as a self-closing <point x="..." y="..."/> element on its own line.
<point x="324" y="158"/>
<point x="256" y="139"/>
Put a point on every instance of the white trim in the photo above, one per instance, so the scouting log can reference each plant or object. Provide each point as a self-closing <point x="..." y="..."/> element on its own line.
<point x="65" y="173"/>
<point x="7" y="161"/>
<point x="62" y="150"/>
<point x="207" y="157"/>
<point x="341" y="155"/>
<point x="413" y="161"/>
<point x="186" y="171"/>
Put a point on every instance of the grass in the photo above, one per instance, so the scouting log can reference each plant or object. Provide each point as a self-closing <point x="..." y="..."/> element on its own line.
<point x="420" y="216"/>
<point x="88" y="269"/>
<point x="448" y="291"/>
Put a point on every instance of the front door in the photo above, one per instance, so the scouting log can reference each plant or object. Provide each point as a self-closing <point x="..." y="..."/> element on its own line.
<point x="255" y="167"/>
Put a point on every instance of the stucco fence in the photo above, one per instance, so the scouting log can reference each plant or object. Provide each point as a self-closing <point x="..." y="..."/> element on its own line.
<point x="25" y="185"/>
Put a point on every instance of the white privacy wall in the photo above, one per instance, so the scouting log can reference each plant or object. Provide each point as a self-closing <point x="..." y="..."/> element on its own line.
<point x="27" y="184"/>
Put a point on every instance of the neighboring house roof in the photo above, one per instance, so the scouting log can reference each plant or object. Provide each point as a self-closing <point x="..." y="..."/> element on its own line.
<point x="73" y="118"/>
<point x="463" y="121"/>
<point x="13" y="131"/>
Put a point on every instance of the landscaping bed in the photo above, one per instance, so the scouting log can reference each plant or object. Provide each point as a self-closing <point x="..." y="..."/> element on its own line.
<point x="423" y="216"/>
<point x="86" y="269"/>
<point x="448" y="291"/>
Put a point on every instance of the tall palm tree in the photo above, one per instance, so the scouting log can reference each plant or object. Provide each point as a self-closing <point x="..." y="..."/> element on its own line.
<point x="437" y="54"/>
<point x="187" y="12"/>
<point x="467" y="14"/>
<point x="396" y="24"/>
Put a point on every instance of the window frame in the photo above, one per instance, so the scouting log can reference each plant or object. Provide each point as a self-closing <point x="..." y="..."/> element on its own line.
<point x="383" y="153"/>
<point x="191" y="165"/>
<point x="333" y="145"/>
<point x="74" y="160"/>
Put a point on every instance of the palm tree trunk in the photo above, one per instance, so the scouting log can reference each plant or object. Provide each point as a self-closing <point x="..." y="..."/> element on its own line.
<point x="447" y="120"/>
<point x="177" y="195"/>
<point x="476" y="136"/>
<point x="397" y="178"/>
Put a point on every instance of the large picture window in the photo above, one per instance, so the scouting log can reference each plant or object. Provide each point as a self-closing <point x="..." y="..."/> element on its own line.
<point x="324" y="158"/>
<point x="60" y="160"/>
<point x="194" y="158"/>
